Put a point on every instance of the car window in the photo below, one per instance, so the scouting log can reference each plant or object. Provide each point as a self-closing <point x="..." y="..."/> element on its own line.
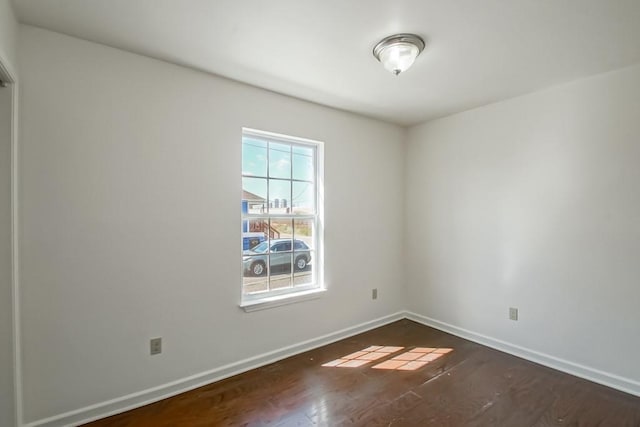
<point x="280" y="247"/>
<point x="300" y="245"/>
<point x="260" y="248"/>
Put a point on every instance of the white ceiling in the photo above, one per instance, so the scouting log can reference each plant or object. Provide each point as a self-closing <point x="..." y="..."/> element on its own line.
<point x="478" y="51"/>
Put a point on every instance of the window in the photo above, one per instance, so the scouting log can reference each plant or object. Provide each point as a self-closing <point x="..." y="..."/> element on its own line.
<point x="281" y="227"/>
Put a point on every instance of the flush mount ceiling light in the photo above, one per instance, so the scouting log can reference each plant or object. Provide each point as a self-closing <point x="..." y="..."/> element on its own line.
<point x="398" y="52"/>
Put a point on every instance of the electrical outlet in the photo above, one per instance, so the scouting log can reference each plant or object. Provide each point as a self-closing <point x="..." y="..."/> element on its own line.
<point x="374" y="293"/>
<point x="155" y="346"/>
<point x="513" y="313"/>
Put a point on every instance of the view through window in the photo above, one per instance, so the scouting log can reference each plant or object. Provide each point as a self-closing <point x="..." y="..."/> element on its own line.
<point x="280" y="227"/>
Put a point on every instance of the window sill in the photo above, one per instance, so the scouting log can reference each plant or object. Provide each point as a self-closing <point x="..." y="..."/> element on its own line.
<point x="277" y="301"/>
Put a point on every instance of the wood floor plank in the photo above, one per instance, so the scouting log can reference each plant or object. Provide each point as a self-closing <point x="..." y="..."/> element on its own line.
<point x="583" y="403"/>
<point x="464" y="384"/>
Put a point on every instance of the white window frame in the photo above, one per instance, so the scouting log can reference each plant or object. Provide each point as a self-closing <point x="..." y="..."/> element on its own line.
<point x="268" y="299"/>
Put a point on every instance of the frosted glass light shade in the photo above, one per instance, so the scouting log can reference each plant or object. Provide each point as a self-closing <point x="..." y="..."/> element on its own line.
<point x="398" y="57"/>
<point x="398" y="52"/>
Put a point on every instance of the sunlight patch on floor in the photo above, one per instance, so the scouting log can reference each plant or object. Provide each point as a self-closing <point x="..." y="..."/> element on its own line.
<point x="407" y="361"/>
<point x="413" y="359"/>
<point x="363" y="356"/>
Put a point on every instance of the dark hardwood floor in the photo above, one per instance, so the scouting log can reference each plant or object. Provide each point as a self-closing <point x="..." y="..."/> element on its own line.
<point x="461" y="384"/>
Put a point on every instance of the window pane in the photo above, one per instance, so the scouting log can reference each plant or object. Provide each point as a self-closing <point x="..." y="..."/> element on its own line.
<point x="254" y="157"/>
<point x="279" y="196"/>
<point x="303" y="268"/>
<point x="254" y="234"/>
<point x="302" y="253"/>
<point x="303" y="198"/>
<point x="255" y="285"/>
<point x="279" y="161"/>
<point x="303" y="234"/>
<point x="280" y="264"/>
<point x="282" y="229"/>
<point x="254" y="276"/>
<point x="303" y="163"/>
<point x="254" y="195"/>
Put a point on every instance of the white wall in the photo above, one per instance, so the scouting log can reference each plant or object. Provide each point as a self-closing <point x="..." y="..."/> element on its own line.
<point x="8" y="34"/>
<point x="6" y="330"/>
<point x="534" y="203"/>
<point x="8" y="30"/>
<point x="130" y="216"/>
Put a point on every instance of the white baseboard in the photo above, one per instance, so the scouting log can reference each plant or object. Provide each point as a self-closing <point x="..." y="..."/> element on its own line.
<point x="605" y="378"/>
<point x="144" y="397"/>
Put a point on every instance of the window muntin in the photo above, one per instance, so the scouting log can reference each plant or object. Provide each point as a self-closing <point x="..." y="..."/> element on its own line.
<point x="280" y="218"/>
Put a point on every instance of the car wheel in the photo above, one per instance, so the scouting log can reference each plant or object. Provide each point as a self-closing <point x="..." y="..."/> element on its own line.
<point x="258" y="268"/>
<point x="301" y="263"/>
